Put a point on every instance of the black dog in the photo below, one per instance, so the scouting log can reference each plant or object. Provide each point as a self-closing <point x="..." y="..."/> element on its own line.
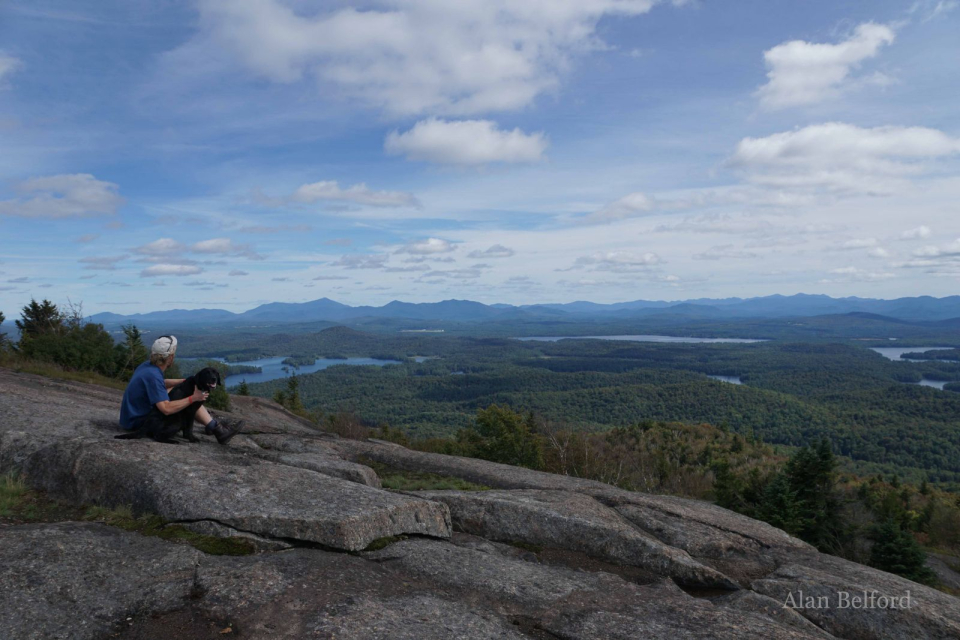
<point x="163" y="427"/>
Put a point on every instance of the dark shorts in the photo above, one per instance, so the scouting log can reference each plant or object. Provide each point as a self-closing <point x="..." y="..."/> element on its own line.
<point x="159" y="426"/>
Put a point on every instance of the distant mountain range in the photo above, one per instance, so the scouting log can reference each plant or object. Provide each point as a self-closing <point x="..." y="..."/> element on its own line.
<point x="922" y="308"/>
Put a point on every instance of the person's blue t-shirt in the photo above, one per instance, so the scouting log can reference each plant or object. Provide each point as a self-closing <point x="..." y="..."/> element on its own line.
<point x="146" y="389"/>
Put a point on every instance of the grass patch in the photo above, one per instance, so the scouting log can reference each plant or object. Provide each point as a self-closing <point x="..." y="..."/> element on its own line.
<point x="50" y="370"/>
<point x="417" y="481"/>
<point x="21" y="505"/>
<point x="381" y="543"/>
<point x="12" y="490"/>
<point x="156" y="527"/>
<point x="527" y="546"/>
<point x="401" y="480"/>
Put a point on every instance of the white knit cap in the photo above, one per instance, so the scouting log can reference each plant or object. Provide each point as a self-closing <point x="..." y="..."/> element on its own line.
<point x="164" y="346"/>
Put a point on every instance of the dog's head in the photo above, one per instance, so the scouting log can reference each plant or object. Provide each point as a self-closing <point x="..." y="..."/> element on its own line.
<point x="207" y="379"/>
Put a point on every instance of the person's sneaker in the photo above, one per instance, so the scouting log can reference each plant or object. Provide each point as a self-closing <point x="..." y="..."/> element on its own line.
<point x="224" y="433"/>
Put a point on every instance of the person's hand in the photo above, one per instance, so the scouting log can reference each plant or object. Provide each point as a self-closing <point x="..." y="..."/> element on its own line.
<point x="199" y="396"/>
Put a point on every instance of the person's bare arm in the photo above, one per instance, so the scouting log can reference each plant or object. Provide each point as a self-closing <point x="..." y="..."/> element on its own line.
<point x="168" y="407"/>
<point x="170" y="384"/>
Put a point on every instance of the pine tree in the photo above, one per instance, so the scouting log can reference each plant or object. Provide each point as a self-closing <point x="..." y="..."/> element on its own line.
<point x="811" y="472"/>
<point x="219" y="398"/>
<point x="131" y="353"/>
<point x="293" y="402"/>
<point x="778" y="505"/>
<point x="243" y="389"/>
<point x="726" y="485"/>
<point x="897" y="551"/>
<point x="39" y="318"/>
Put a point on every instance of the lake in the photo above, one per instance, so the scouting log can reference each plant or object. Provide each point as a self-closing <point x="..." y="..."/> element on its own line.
<point x="273" y="368"/>
<point x="936" y="384"/>
<point x="643" y="338"/>
<point x="730" y="379"/>
<point x="896" y="353"/>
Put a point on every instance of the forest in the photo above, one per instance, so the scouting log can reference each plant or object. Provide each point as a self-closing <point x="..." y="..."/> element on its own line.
<point x="792" y="393"/>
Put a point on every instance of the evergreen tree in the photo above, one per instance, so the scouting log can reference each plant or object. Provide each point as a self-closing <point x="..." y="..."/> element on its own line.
<point x="39" y="318"/>
<point x="219" y="398"/>
<point x="897" y="551"/>
<point x="726" y="486"/>
<point x="812" y="476"/>
<point x="64" y="338"/>
<point x="778" y="505"/>
<point x="243" y="389"/>
<point x="508" y="437"/>
<point x="293" y="401"/>
<point x="131" y="353"/>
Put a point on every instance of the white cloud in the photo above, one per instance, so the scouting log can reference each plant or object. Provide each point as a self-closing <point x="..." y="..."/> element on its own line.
<point x="496" y="251"/>
<point x="237" y="273"/>
<point x="856" y="274"/>
<point x="8" y="65"/>
<point x="465" y="142"/>
<point x="916" y="233"/>
<point x="63" y="196"/>
<point x="932" y="9"/>
<point x="101" y="263"/>
<point x="164" y="249"/>
<point x="411" y="57"/>
<point x="951" y="250"/>
<point x="408" y="269"/>
<point x="841" y="158"/>
<point x="261" y="229"/>
<point x="226" y="247"/>
<point x="724" y="252"/>
<point x="618" y="261"/>
<point x="456" y="274"/>
<point x="801" y="72"/>
<point x="330" y="191"/>
<point x="858" y="243"/>
<point x="361" y="261"/>
<point x="170" y="270"/>
<point x="878" y="252"/>
<point x="161" y="247"/>
<point x="629" y="206"/>
<point x="430" y="246"/>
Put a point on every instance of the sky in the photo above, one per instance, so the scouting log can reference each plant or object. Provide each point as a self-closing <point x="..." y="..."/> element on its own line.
<point x="159" y="154"/>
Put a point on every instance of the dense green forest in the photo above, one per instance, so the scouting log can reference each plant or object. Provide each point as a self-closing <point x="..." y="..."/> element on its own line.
<point x="792" y="393"/>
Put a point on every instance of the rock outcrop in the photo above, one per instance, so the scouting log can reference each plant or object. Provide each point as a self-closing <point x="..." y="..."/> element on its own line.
<point x="539" y="556"/>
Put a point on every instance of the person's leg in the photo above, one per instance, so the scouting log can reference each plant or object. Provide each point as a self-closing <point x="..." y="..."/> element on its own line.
<point x="202" y="416"/>
<point x="212" y="427"/>
<point x="162" y="427"/>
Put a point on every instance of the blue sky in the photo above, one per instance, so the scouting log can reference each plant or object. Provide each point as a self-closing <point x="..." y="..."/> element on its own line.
<point x="225" y="153"/>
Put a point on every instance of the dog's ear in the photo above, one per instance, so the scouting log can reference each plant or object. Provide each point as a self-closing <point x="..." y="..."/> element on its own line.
<point x="219" y="380"/>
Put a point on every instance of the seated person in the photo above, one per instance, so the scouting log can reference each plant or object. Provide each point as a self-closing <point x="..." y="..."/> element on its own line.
<point x="148" y="411"/>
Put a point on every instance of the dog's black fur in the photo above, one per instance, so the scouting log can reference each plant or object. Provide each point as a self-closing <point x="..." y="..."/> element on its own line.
<point x="163" y="427"/>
